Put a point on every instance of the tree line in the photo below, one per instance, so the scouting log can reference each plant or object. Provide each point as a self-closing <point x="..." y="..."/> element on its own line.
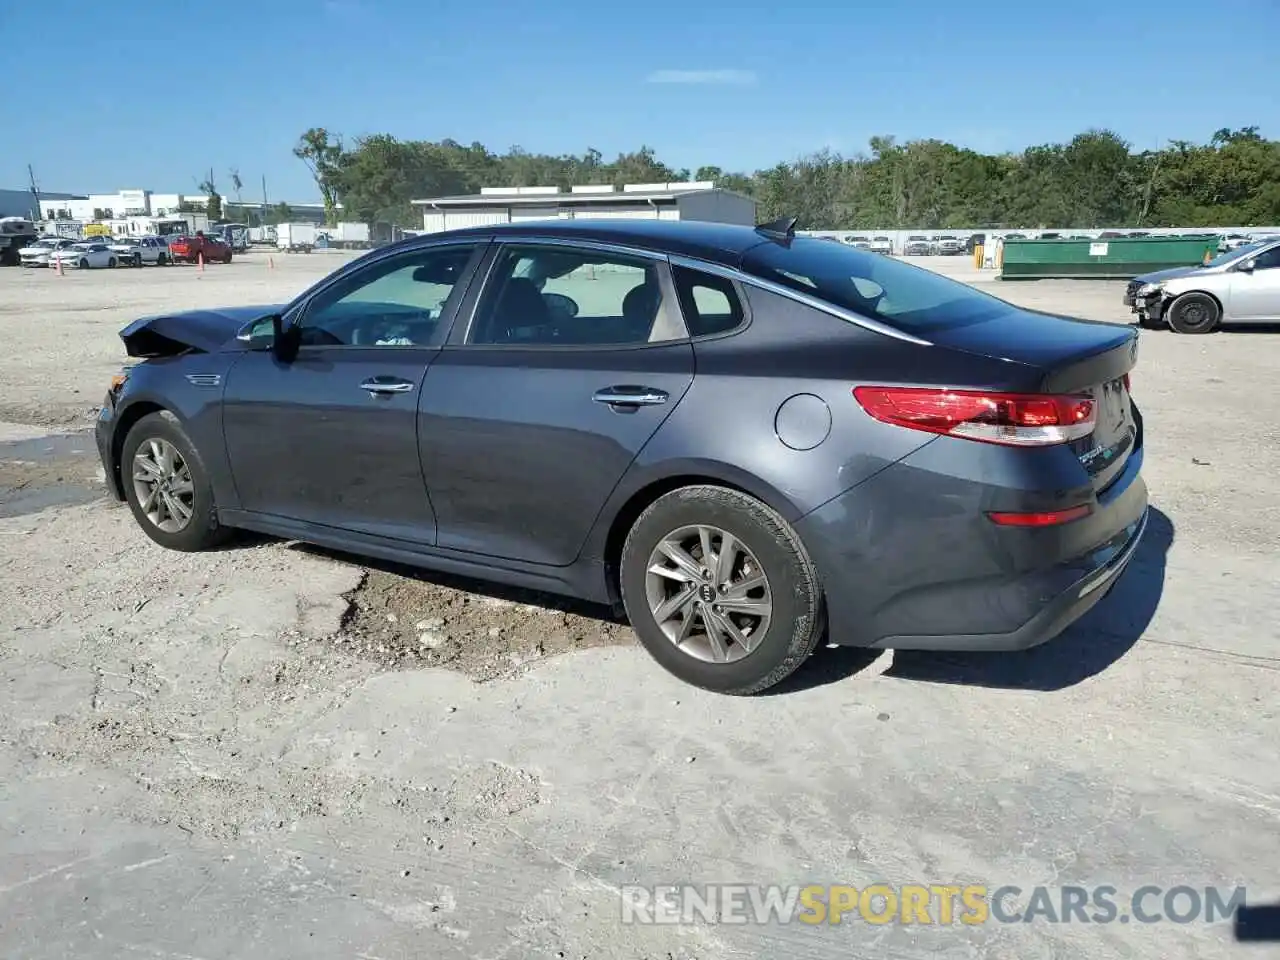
<point x="1095" y="180"/>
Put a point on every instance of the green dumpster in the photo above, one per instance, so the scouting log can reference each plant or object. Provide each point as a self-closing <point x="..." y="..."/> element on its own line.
<point x="1119" y="259"/>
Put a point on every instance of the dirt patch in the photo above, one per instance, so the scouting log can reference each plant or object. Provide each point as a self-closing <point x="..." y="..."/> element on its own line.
<point x="402" y="621"/>
<point x="48" y="472"/>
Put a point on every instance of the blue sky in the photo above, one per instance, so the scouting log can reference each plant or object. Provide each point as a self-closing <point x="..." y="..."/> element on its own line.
<point x="148" y="95"/>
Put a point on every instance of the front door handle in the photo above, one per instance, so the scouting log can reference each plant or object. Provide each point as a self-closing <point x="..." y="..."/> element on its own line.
<point x="385" y="386"/>
<point x="630" y="396"/>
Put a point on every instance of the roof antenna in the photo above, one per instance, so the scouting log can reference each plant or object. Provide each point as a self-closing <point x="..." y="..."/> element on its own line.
<point x="783" y="227"/>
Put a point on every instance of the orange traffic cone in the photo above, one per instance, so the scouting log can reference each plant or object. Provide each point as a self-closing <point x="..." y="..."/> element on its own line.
<point x="271" y="263"/>
<point x="58" y="261"/>
<point x="200" y="260"/>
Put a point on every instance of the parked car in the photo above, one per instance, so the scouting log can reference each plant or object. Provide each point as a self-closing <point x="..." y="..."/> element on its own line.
<point x="882" y="245"/>
<point x="38" y="253"/>
<point x="917" y="245"/>
<point x="858" y="241"/>
<point x="16" y="233"/>
<point x="135" y="251"/>
<point x="1233" y="241"/>
<point x="89" y="254"/>
<point x="948" y="245"/>
<point x="189" y="249"/>
<point x="756" y="443"/>
<point x="1239" y="286"/>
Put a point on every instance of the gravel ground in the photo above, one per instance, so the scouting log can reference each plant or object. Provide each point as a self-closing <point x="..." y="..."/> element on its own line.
<point x="271" y="751"/>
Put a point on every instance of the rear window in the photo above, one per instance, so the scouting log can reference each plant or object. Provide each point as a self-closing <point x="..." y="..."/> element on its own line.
<point x="905" y="297"/>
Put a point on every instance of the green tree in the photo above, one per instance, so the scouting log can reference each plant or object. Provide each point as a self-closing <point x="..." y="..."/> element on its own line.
<point x="322" y="153"/>
<point x="1093" y="180"/>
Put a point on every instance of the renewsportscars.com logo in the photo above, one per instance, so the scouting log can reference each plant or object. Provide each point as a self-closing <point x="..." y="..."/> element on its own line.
<point x="931" y="904"/>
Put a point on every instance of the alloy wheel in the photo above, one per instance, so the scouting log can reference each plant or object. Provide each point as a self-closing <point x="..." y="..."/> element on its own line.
<point x="708" y="593"/>
<point x="162" y="484"/>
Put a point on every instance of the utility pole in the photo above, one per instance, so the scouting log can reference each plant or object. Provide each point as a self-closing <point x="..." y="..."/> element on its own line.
<point x="35" y="191"/>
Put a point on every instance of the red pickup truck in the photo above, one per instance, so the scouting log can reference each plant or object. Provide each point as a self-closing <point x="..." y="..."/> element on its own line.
<point x="189" y="249"/>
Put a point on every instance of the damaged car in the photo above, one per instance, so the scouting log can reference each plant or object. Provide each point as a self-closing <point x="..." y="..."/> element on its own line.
<point x="748" y="442"/>
<point x="1239" y="286"/>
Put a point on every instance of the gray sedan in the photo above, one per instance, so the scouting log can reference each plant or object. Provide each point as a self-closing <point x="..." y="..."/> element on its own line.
<point x="750" y="442"/>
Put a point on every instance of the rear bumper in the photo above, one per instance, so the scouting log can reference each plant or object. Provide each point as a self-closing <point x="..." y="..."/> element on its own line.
<point x="910" y="561"/>
<point x="1054" y="617"/>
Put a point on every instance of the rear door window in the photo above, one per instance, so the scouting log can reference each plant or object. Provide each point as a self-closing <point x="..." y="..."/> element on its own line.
<point x="710" y="304"/>
<point x="898" y="294"/>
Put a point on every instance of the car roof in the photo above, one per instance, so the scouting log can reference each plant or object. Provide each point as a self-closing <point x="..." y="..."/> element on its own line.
<point x="715" y="242"/>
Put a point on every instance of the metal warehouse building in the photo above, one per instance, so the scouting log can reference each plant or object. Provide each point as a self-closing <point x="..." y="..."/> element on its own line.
<point x="698" y="200"/>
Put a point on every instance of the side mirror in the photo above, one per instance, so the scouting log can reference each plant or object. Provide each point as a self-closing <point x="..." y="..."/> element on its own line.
<point x="284" y="340"/>
<point x="270" y="334"/>
<point x="1246" y="266"/>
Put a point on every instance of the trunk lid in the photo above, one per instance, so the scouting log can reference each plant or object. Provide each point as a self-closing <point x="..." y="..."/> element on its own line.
<point x="1071" y="357"/>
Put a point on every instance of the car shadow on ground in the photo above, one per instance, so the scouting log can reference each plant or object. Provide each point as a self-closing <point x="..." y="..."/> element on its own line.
<point x="1092" y="644"/>
<point x="1088" y="647"/>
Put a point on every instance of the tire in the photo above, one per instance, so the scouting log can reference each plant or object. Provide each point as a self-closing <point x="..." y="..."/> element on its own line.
<point x="137" y="260"/>
<point x="152" y="435"/>
<point x="111" y="262"/>
<point x="796" y="616"/>
<point x="227" y="258"/>
<point x="162" y="260"/>
<point x="84" y="265"/>
<point x="1194" y="313"/>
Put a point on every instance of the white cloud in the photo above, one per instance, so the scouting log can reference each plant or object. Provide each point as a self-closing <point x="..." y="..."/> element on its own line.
<point x="705" y="77"/>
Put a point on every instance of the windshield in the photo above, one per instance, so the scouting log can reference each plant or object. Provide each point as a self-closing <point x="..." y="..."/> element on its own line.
<point x="1238" y="253"/>
<point x="906" y="297"/>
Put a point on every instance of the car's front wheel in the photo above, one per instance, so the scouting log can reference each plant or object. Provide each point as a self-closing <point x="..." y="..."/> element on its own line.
<point x="167" y="486"/>
<point x="1194" y="313"/>
<point x="720" y="590"/>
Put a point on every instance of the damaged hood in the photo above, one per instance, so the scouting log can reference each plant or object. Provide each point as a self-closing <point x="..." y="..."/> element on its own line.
<point x="204" y="330"/>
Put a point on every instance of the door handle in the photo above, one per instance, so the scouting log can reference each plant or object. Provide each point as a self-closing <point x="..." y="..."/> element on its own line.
<point x="385" y="386"/>
<point x="630" y="396"/>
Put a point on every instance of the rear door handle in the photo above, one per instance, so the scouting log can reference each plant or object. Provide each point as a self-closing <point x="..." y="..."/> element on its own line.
<point x="630" y="396"/>
<point x="384" y="386"/>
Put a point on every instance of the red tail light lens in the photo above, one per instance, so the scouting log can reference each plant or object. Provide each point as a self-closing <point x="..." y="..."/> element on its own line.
<point x="1011" y="419"/>
<point x="1051" y="518"/>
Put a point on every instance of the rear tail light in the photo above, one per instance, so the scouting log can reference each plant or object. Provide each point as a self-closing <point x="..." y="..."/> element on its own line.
<point x="1048" y="518"/>
<point x="1011" y="419"/>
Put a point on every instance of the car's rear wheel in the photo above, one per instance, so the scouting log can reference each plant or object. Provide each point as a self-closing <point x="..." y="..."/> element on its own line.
<point x="111" y="262"/>
<point x="161" y="260"/>
<point x="720" y="590"/>
<point x="167" y="485"/>
<point x="137" y="259"/>
<point x="1194" y="313"/>
<point x="84" y="264"/>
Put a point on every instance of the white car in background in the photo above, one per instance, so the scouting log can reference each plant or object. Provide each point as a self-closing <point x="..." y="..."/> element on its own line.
<point x="135" y="251"/>
<point x="37" y="255"/>
<point x="881" y="245"/>
<point x="86" y="255"/>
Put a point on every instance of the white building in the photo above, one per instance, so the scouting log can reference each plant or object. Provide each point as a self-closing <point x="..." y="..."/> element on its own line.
<point x="699" y="200"/>
<point x="119" y="205"/>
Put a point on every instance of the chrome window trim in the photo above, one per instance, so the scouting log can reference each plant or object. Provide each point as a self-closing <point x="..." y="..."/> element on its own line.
<point x="602" y="246"/>
<point x="816" y="303"/>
